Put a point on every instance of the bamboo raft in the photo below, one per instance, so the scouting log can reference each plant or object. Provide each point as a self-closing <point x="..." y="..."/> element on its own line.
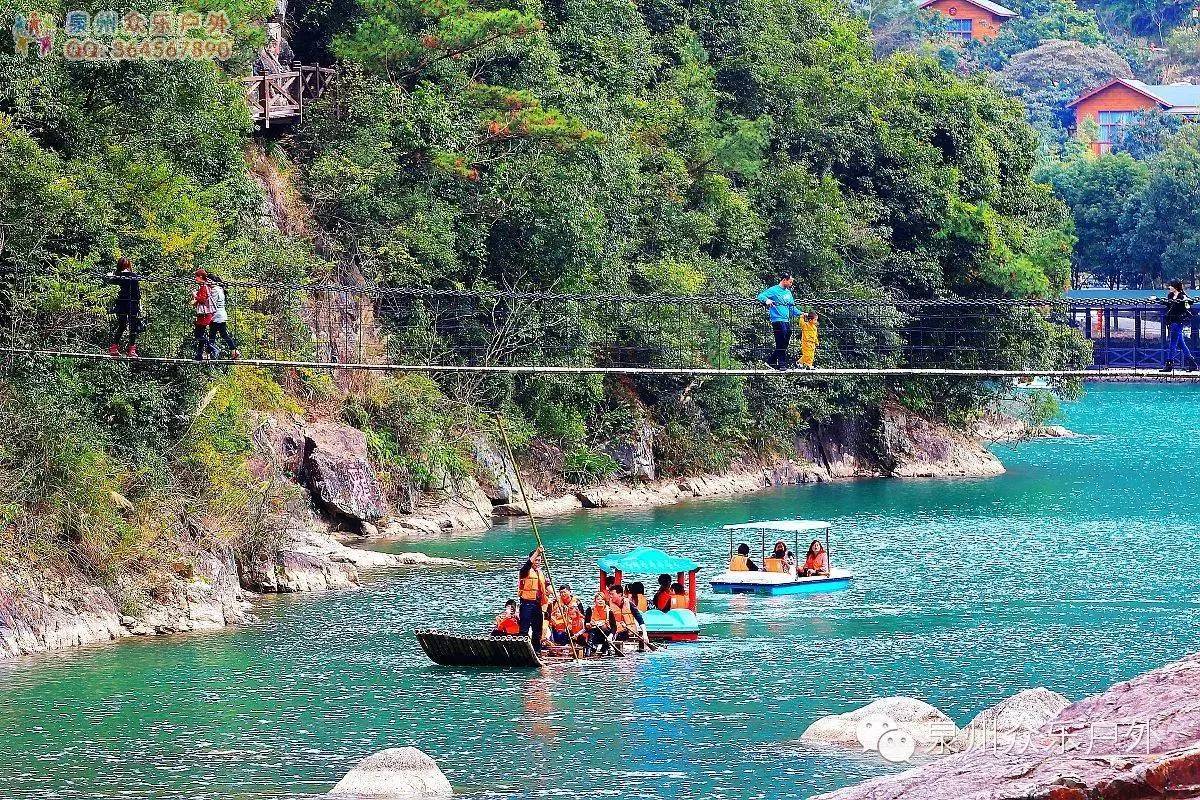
<point x="504" y="652"/>
<point x="454" y="650"/>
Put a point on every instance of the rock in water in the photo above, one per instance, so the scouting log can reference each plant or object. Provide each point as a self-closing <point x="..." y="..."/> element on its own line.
<point x="398" y="773"/>
<point x="1013" y="717"/>
<point x="928" y="726"/>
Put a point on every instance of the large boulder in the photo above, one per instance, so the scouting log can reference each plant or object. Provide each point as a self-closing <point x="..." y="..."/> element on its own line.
<point x="398" y="773"/>
<point x="1138" y="740"/>
<point x="929" y="727"/>
<point x="340" y="476"/>
<point x="919" y="448"/>
<point x="634" y="452"/>
<point x="839" y="446"/>
<point x="497" y="476"/>
<point x="1012" y="719"/>
<point x="39" y="613"/>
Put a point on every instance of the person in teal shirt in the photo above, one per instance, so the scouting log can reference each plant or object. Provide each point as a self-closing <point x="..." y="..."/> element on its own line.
<point x="781" y="308"/>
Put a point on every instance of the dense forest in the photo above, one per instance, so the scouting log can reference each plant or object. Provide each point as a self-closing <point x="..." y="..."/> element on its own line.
<point x="1134" y="209"/>
<point x="665" y="147"/>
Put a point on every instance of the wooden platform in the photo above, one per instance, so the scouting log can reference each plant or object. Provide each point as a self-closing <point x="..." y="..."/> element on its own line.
<point x="279" y="97"/>
<point x="454" y="650"/>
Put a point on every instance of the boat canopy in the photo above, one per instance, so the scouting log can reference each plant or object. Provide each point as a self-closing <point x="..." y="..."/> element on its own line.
<point x="647" y="560"/>
<point x="787" y="525"/>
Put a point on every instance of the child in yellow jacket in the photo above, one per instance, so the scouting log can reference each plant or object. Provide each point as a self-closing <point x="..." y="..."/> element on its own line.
<point x="808" y="339"/>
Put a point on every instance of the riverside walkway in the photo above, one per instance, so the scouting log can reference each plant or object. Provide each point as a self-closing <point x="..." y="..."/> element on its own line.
<point x="356" y="327"/>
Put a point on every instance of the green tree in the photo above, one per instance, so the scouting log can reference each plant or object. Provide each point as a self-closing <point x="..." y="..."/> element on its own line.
<point x="1099" y="192"/>
<point x="1163" y="221"/>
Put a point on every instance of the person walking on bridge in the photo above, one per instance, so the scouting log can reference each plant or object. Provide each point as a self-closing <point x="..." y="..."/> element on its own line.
<point x="781" y="309"/>
<point x="219" y="329"/>
<point x="1178" y="313"/>
<point x="203" y="308"/>
<point x="127" y="308"/>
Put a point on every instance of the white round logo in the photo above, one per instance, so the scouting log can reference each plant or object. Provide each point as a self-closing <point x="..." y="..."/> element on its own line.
<point x="897" y="745"/>
<point x="871" y="728"/>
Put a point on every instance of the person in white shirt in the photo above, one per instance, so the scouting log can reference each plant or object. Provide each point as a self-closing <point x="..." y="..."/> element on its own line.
<point x="219" y="329"/>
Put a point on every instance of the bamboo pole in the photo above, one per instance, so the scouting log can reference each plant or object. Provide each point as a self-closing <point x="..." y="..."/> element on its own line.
<point x="537" y="534"/>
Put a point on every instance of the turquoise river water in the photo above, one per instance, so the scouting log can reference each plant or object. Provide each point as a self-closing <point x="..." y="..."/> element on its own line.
<point x="1075" y="570"/>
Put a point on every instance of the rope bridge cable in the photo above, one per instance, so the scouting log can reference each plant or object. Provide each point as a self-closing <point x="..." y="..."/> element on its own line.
<point x="95" y="279"/>
<point x="1114" y="374"/>
<point x="337" y="326"/>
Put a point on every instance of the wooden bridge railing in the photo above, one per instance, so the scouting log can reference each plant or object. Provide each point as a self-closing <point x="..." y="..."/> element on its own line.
<point x="281" y="96"/>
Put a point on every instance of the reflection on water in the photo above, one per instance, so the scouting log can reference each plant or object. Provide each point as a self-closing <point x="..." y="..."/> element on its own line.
<point x="1073" y="571"/>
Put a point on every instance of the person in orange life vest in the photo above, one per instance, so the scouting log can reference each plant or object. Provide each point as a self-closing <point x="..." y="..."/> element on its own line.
<point x="531" y="589"/>
<point x="662" y="598"/>
<point x="619" y="596"/>
<point x="600" y="624"/>
<point x="679" y="598"/>
<point x="507" y="623"/>
<point x="741" y="562"/>
<point x="780" y="559"/>
<point x="637" y="593"/>
<point x="629" y="623"/>
<point x="613" y="592"/>
<point x="816" y="562"/>
<point x="566" y="618"/>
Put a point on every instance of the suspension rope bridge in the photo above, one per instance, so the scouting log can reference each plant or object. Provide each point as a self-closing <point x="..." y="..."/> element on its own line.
<point x="333" y="326"/>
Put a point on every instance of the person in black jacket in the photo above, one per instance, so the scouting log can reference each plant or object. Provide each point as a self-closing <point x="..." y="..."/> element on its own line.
<point x="1178" y="313"/>
<point x="127" y="308"/>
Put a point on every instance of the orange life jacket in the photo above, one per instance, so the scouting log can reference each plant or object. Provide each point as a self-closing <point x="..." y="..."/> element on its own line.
<point x="775" y="565"/>
<point x="600" y="614"/>
<point x="532" y="587"/>
<point x="626" y="621"/>
<point x="574" y="619"/>
<point x="558" y="617"/>
<point x="679" y="601"/>
<point x="739" y="564"/>
<point x="662" y="599"/>
<point x="509" y="626"/>
<point x="816" y="561"/>
<point x="642" y="603"/>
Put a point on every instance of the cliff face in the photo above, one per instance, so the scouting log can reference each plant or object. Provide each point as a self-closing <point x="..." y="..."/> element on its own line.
<point x="1136" y="741"/>
<point x="52" y="610"/>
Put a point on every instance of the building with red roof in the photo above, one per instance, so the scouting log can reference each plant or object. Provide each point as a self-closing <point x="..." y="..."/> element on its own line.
<point x="970" y="19"/>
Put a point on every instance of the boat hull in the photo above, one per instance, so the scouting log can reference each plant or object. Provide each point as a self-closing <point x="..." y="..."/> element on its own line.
<point x="810" y="587"/>
<point x="676" y="625"/>
<point x="776" y="583"/>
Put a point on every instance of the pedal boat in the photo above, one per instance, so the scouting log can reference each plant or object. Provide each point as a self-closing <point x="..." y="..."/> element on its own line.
<point x="676" y="625"/>
<point x="776" y="582"/>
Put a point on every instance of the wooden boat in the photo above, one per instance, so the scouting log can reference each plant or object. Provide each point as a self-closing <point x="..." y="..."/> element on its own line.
<point x="676" y="625"/>
<point x="774" y="582"/>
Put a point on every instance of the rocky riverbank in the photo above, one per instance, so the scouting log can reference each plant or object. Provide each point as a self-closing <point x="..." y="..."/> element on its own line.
<point x="55" y="609"/>
<point x="205" y="585"/>
<point x="899" y="444"/>
<point x="1138" y="740"/>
